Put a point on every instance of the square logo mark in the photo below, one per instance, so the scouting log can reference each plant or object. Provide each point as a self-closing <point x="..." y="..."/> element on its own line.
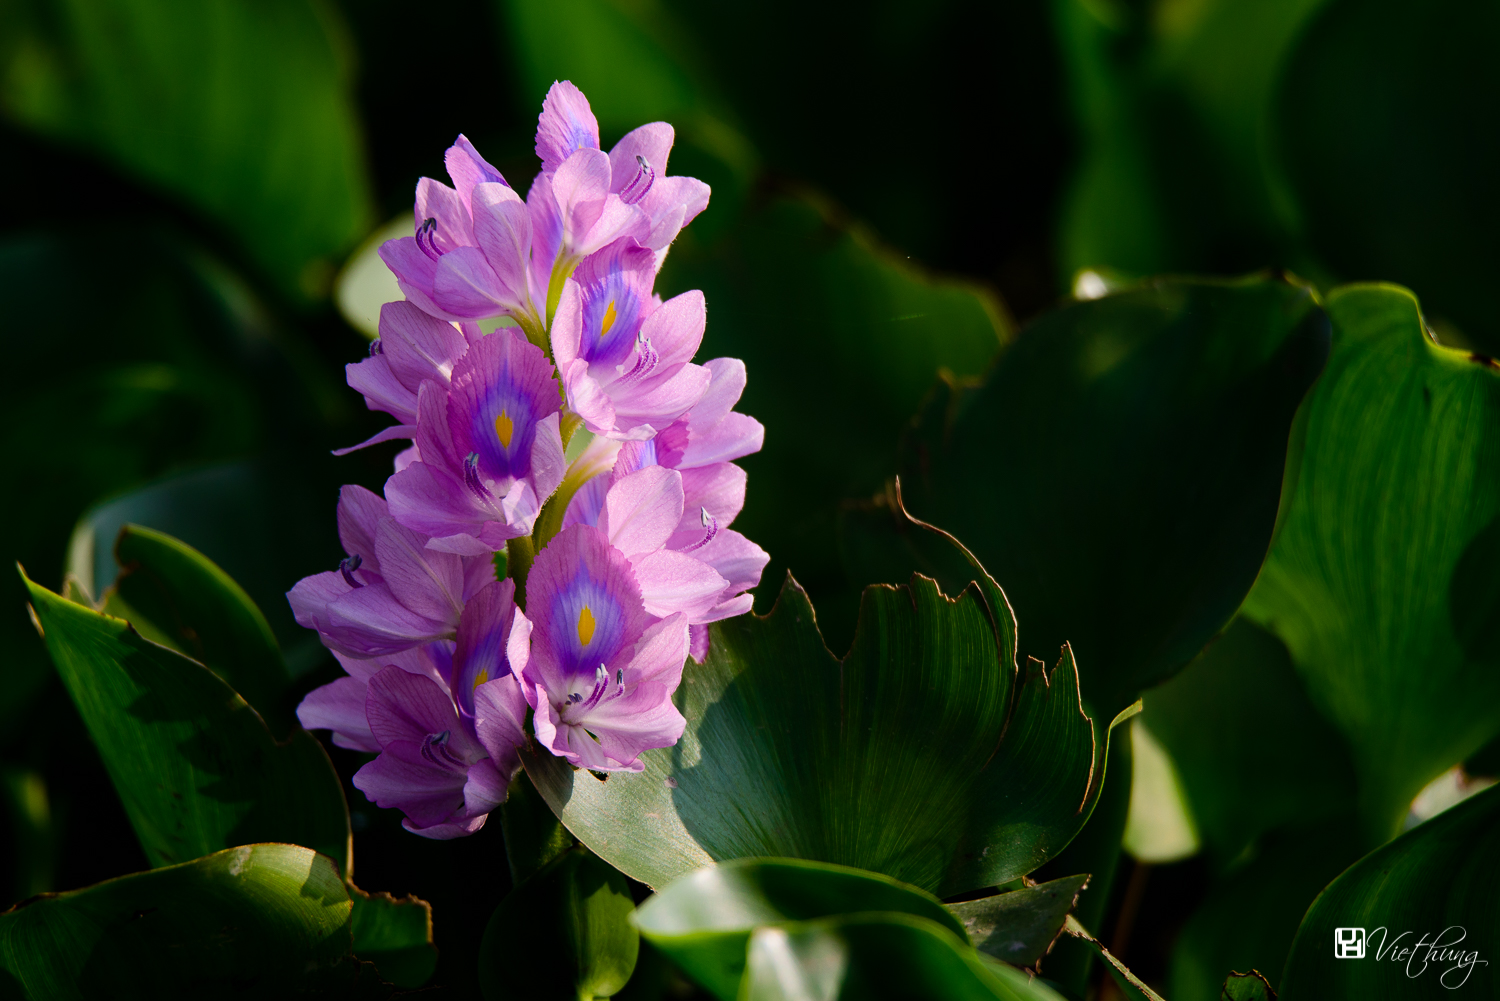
<point x="1349" y="943"/>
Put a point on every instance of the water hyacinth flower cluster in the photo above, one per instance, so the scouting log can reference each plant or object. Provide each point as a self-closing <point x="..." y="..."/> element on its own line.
<point x="615" y="561"/>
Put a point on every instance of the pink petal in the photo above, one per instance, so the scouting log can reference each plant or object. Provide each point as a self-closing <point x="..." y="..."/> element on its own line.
<point x="673" y="582"/>
<point x="566" y="125"/>
<point x="642" y="510"/>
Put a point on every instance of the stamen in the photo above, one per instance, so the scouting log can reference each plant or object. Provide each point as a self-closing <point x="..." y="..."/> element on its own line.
<point x="427" y="239"/>
<point x="376" y="348"/>
<point x="709" y="522"/>
<point x="640" y="184"/>
<point x="435" y="749"/>
<point x="645" y="361"/>
<point x="472" y="480"/>
<point x="347" y="567"/>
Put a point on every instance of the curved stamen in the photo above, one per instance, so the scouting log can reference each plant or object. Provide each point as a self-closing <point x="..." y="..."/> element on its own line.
<point x="436" y="750"/>
<point x="711" y="524"/>
<point x="640" y="184"/>
<point x="472" y="480"/>
<point x="347" y="566"/>
<point x="427" y="239"/>
<point x="376" y="348"/>
<point x="646" y="359"/>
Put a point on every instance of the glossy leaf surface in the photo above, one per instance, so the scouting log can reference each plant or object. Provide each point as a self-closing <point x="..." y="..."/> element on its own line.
<point x="206" y="615"/>
<point x="924" y="754"/>
<point x="564" y="934"/>
<point x="1018" y="926"/>
<point x="1384" y="579"/>
<point x="258" y="921"/>
<point x="881" y="956"/>
<point x="1441" y="876"/>
<point x="1246" y="987"/>
<point x="242" y="109"/>
<point x="1121" y="465"/>
<point x="704" y="920"/>
<point x="194" y="765"/>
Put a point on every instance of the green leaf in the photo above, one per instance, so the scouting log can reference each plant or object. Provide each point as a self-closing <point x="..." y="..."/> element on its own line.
<point x="1019" y="926"/>
<point x="564" y="934"/>
<point x="1250" y="916"/>
<point x="1392" y="169"/>
<point x="207" y="616"/>
<point x="1442" y="874"/>
<point x="881" y="956"/>
<point x="1252" y="751"/>
<point x="194" y="765"/>
<point x="258" y="921"/>
<point x="1381" y="581"/>
<point x="534" y="837"/>
<point x="1247" y="987"/>
<point x="395" y="935"/>
<point x="262" y="521"/>
<point x="243" y="109"/>
<point x="704" y="920"/>
<point x="853" y="330"/>
<point x="925" y="754"/>
<point x="1121" y="466"/>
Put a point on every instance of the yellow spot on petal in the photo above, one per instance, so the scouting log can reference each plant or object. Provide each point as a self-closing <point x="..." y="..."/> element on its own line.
<point x="585" y="626"/>
<point x="609" y="318"/>
<point x="483" y="677"/>
<point x="504" y="427"/>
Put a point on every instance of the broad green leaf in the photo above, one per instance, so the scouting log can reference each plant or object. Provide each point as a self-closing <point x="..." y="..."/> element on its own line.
<point x="1250" y="916"/>
<point x="242" y="109"/>
<point x="207" y="616"/>
<point x="1018" y="926"/>
<point x="257" y="921"/>
<point x="850" y="330"/>
<point x="1437" y="881"/>
<point x="924" y="754"/>
<point x="878" y="956"/>
<point x="564" y="934"/>
<point x="704" y="920"/>
<point x="534" y="837"/>
<point x="1252" y="751"/>
<point x="194" y="765"/>
<point x="264" y="522"/>
<point x="1250" y="986"/>
<point x="1383" y="580"/>
<point x="1121" y="465"/>
<point x="1391" y="166"/>
<point x="395" y="935"/>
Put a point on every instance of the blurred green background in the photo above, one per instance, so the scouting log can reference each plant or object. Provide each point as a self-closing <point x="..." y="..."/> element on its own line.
<point x="897" y="189"/>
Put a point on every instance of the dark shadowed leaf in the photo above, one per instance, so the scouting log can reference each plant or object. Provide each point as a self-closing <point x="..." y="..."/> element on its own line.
<point x="925" y="754"/>
<point x="1252" y="751"/>
<point x="1249" y="917"/>
<point x="1120" y="467"/>
<point x="564" y="934"/>
<point x="1392" y="168"/>
<point x="258" y="921"/>
<point x="194" y="765"/>
<point x="1438" y="880"/>
<point x="1246" y="987"/>
<point x="839" y="359"/>
<point x="207" y="616"/>
<point x="395" y="934"/>
<point x="241" y="109"/>
<point x="1019" y="926"/>
<point x="704" y="920"/>
<point x="1382" y="581"/>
